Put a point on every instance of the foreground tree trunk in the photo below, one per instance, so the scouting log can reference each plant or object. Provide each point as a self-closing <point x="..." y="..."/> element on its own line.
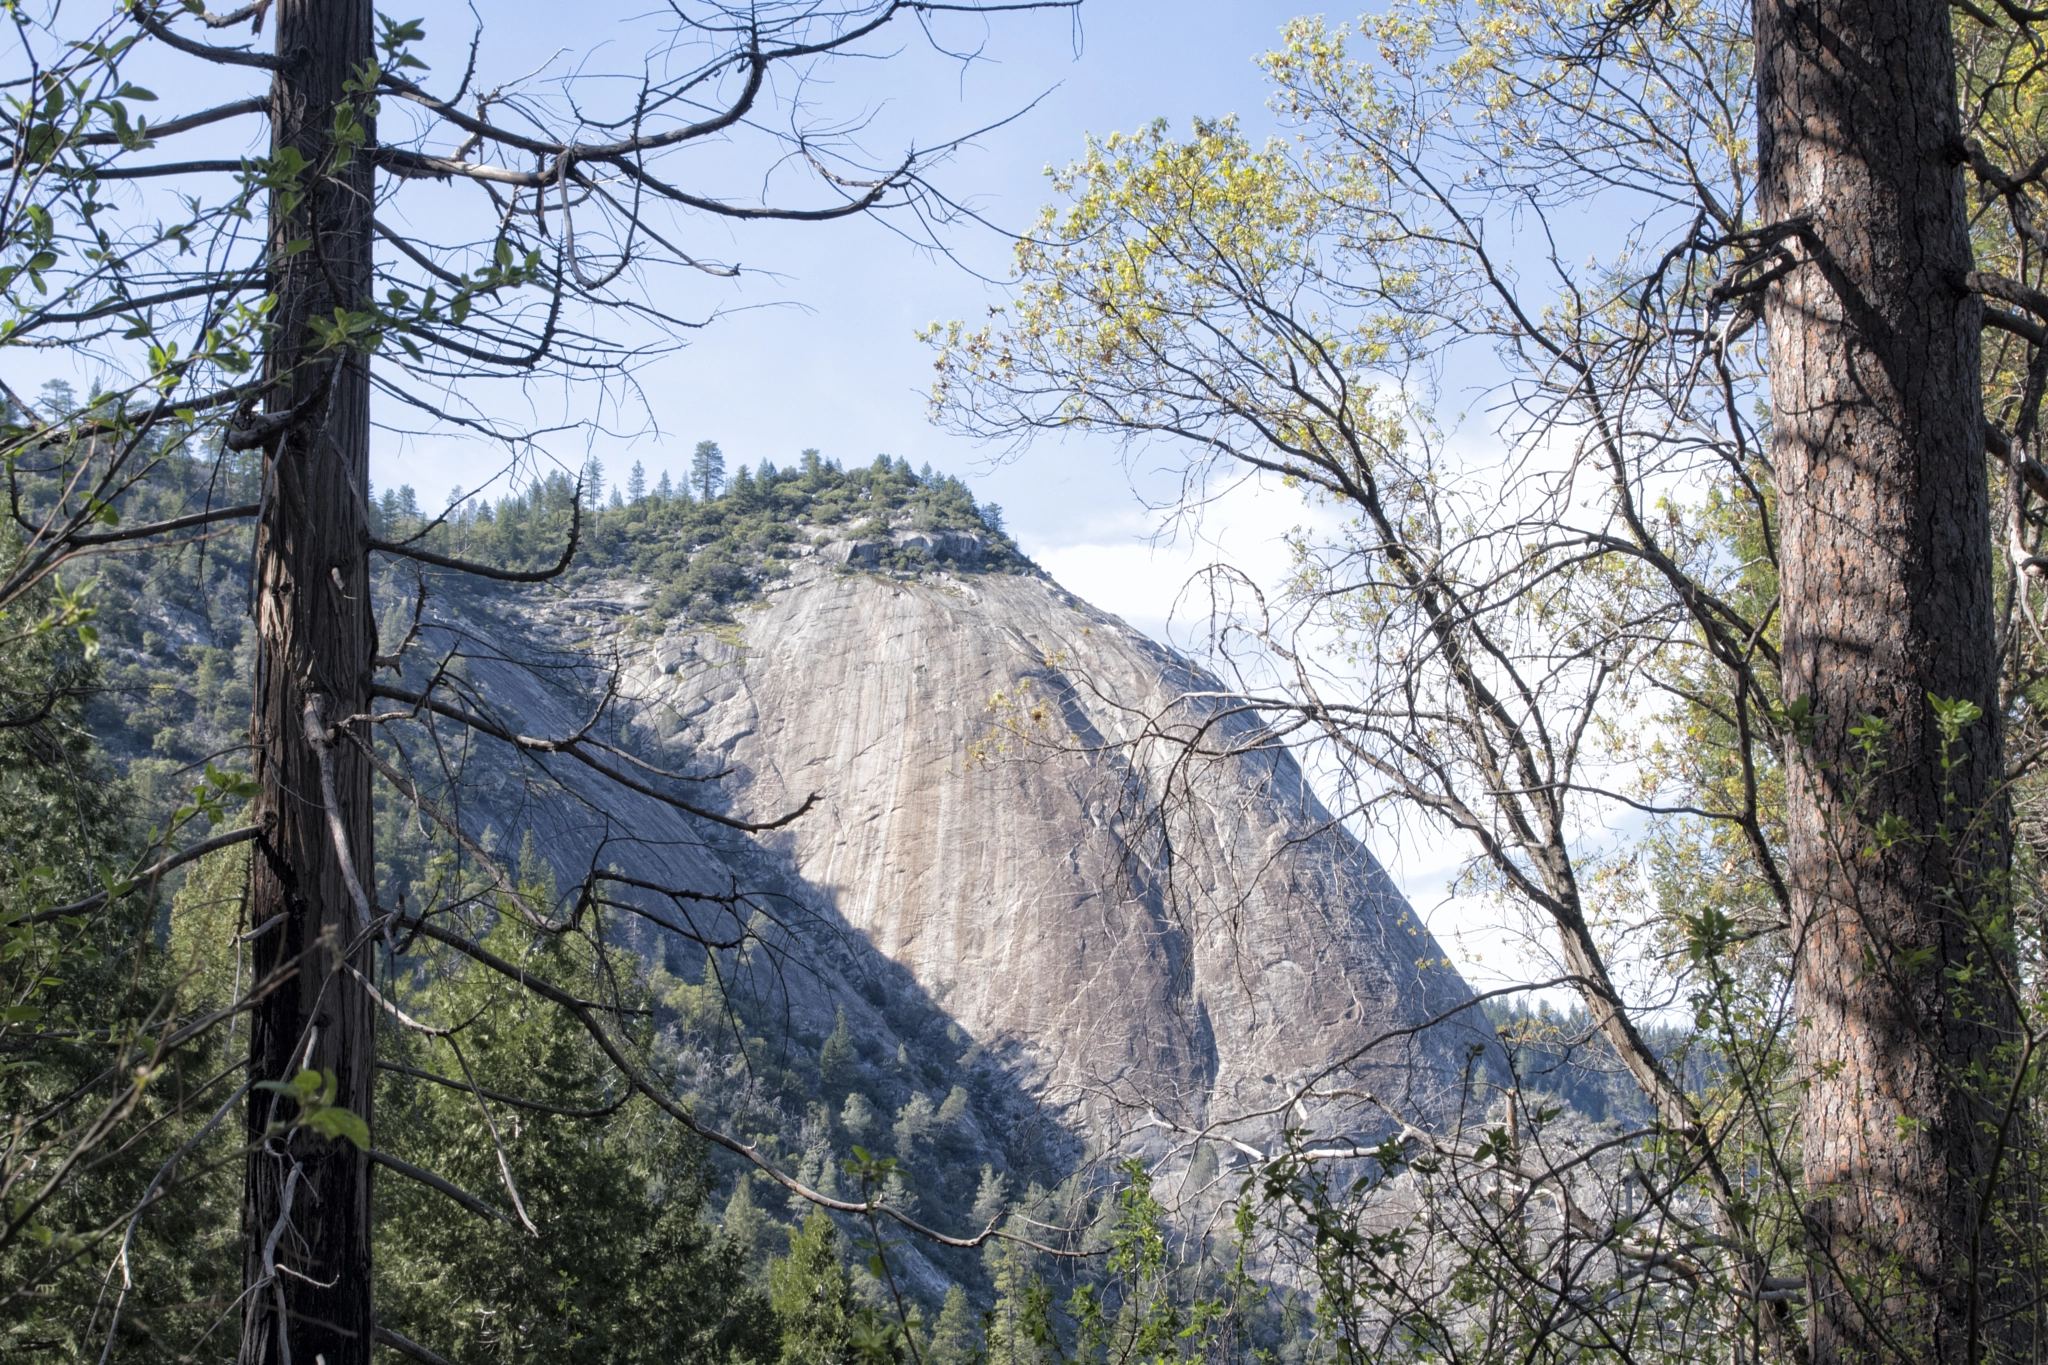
<point x="306" y="1212"/>
<point x="1878" y="442"/>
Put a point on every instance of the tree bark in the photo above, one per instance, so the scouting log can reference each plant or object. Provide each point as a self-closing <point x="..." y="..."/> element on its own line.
<point x="1878" y="442"/>
<point x="306" y="1209"/>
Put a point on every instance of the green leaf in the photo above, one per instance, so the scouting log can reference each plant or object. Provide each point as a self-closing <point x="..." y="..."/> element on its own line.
<point x="338" y="1123"/>
<point x="41" y="141"/>
<point x="308" y="1087"/>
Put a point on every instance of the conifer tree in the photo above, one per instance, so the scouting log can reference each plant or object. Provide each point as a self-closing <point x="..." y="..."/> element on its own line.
<point x="956" y="1337"/>
<point x="860" y="1118"/>
<point x="913" y="1125"/>
<point x="707" y="470"/>
<point x="812" y="1295"/>
<point x="835" y="1058"/>
<point x="748" y="1228"/>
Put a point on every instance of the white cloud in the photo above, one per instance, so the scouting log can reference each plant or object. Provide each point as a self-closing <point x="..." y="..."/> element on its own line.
<point x="1138" y="565"/>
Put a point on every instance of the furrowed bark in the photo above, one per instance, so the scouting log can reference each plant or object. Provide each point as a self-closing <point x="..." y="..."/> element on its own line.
<point x="306" y="1210"/>
<point x="1878" y="440"/>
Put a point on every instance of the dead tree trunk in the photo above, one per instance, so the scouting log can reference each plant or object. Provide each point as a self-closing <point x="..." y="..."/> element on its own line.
<point x="1878" y="440"/>
<point x="306" y="1210"/>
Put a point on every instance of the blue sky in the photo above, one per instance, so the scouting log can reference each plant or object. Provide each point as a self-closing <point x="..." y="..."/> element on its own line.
<point x="820" y="349"/>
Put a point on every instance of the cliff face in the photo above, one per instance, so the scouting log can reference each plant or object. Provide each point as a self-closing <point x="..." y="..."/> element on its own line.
<point x="1044" y="925"/>
<point x="1146" y="933"/>
<point x="1014" y="881"/>
<point x="1008" y="826"/>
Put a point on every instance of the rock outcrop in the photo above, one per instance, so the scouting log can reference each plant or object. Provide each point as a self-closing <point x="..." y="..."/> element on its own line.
<point x="1004" y="812"/>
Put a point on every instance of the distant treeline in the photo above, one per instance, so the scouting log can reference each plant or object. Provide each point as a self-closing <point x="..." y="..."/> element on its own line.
<point x="1566" y="1056"/>
<point x="705" y="552"/>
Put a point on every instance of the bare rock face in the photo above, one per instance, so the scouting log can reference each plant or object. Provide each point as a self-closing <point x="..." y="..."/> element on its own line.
<point x="1150" y="934"/>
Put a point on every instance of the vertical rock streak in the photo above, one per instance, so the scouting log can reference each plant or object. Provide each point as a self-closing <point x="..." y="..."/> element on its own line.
<point x="1170" y="948"/>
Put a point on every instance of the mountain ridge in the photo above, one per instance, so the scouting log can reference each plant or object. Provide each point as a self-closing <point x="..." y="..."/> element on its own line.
<point x="1040" y="933"/>
<point x="875" y="691"/>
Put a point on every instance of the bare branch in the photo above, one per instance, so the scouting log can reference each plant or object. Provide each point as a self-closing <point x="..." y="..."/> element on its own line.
<point x="145" y="15"/>
<point x="145" y="876"/>
<point x="435" y="1182"/>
